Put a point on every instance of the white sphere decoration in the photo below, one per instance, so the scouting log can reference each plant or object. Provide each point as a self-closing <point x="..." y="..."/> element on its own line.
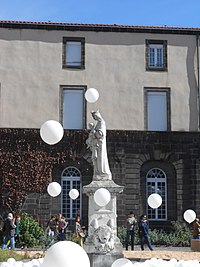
<point x="73" y="193"/>
<point x="66" y="254"/>
<point x="154" y="201"/>
<point x="51" y="132"/>
<point x="91" y="95"/>
<point x="54" y="189"/>
<point x="122" y="262"/>
<point x="102" y="197"/>
<point x="189" y="216"/>
<point x="35" y="263"/>
<point x="11" y="261"/>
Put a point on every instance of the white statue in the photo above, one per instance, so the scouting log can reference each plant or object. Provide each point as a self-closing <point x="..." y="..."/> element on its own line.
<point x="97" y="143"/>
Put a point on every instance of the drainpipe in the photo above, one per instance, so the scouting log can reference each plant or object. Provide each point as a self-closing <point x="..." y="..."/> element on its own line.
<point x="198" y="78"/>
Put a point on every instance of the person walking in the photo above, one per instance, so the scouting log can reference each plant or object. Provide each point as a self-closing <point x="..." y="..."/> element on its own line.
<point x="51" y="230"/>
<point x="144" y="232"/>
<point x="61" y="227"/>
<point x="196" y="229"/>
<point x="130" y="230"/>
<point x="79" y="231"/>
<point x="9" y="232"/>
<point x="17" y="220"/>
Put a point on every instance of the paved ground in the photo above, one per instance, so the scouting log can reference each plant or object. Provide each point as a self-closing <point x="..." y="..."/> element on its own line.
<point x="165" y="253"/>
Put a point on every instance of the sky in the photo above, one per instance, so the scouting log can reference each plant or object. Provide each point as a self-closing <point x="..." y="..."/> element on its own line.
<point x="181" y="13"/>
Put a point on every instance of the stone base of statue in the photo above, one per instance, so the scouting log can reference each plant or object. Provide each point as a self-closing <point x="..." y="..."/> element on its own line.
<point x="103" y="261"/>
<point x="102" y="244"/>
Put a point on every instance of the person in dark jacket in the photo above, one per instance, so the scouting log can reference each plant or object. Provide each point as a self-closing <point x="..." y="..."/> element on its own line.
<point x="144" y="232"/>
<point x="196" y="229"/>
<point x="17" y="230"/>
<point x="9" y="232"/>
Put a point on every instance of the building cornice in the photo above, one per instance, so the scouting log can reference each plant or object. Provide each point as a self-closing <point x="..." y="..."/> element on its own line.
<point x="63" y="26"/>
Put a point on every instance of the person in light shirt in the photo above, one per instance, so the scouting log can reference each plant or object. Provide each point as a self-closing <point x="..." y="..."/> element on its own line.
<point x="130" y="230"/>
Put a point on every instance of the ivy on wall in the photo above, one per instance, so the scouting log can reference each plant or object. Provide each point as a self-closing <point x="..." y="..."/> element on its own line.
<point x="26" y="162"/>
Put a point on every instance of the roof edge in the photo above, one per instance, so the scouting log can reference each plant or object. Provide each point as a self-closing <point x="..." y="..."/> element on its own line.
<point x="65" y="26"/>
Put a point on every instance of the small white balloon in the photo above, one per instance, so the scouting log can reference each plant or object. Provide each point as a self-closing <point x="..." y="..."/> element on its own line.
<point x="122" y="262"/>
<point x="66" y="254"/>
<point x="91" y="95"/>
<point x="189" y="216"/>
<point x="54" y="189"/>
<point x="102" y="197"/>
<point x="154" y="201"/>
<point x="51" y="132"/>
<point x="73" y="193"/>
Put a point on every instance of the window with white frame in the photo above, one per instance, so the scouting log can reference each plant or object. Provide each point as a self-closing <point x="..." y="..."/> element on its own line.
<point x="156" y="55"/>
<point x="73" y="107"/>
<point x="157" y="109"/>
<point x="73" y="52"/>
<point x="71" y="179"/>
<point x="156" y="182"/>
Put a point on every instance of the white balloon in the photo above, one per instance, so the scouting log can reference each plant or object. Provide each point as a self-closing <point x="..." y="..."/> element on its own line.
<point x="189" y="216"/>
<point x="91" y="95"/>
<point x="51" y="132"/>
<point x="54" y="189"/>
<point x="154" y="201"/>
<point x="11" y="261"/>
<point x="73" y="193"/>
<point x="35" y="263"/>
<point x="122" y="262"/>
<point x="102" y="197"/>
<point x="66" y="254"/>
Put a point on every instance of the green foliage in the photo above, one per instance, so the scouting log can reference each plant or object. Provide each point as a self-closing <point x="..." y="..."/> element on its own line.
<point x="31" y="233"/>
<point x="6" y="254"/>
<point x="180" y="235"/>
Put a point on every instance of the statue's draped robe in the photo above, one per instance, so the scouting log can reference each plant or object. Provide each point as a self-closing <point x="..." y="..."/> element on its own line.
<point x="101" y="165"/>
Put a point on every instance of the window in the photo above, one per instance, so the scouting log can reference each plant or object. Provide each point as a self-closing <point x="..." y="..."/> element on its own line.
<point x="156" y="183"/>
<point x="71" y="179"/>
<point x="157" y="109"/>
<point x="156" y="55"/>
<point x="73" y="53"/>
<point x="73" y="107"/>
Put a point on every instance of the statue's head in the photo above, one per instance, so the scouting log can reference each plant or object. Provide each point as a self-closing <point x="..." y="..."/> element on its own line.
<point x="96" y="115"/>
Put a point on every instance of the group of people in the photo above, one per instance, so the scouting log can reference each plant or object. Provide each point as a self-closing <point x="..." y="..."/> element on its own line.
<point x="11" y="231"/>
<point x="57" y="226"/>
<point x="142" y="226"/>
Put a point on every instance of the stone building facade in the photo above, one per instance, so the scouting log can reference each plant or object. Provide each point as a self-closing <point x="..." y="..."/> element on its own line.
<point x="132" y="154"/>
<point x="148" y="80"/>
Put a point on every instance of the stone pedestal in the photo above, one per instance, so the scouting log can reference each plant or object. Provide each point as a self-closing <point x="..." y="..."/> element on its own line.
<point x="102" y="244"/>
<point x="107" y="260"/>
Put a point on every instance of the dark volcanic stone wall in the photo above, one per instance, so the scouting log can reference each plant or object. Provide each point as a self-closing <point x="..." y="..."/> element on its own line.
<point x="28" y="165"/>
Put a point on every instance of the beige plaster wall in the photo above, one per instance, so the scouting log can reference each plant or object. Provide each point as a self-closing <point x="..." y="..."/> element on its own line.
<point x="31" y="75"/>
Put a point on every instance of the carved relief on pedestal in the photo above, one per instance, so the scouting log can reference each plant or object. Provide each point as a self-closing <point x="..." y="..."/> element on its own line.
<point x="103" y="237"/>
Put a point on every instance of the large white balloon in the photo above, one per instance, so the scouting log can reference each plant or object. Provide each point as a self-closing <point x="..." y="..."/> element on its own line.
<point x="154" y="201"/>
<point x="102" y="197"/>
<point x="54" y="189"/>
<point x="73" y="193"/>
<point x="122" y="262"/>
<point x="11" y="261"/>
<point x="91" y="95"/>
<point x="66" y="254"/>
<point x="189" y="216"/>
<point x="51" y="132"/>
